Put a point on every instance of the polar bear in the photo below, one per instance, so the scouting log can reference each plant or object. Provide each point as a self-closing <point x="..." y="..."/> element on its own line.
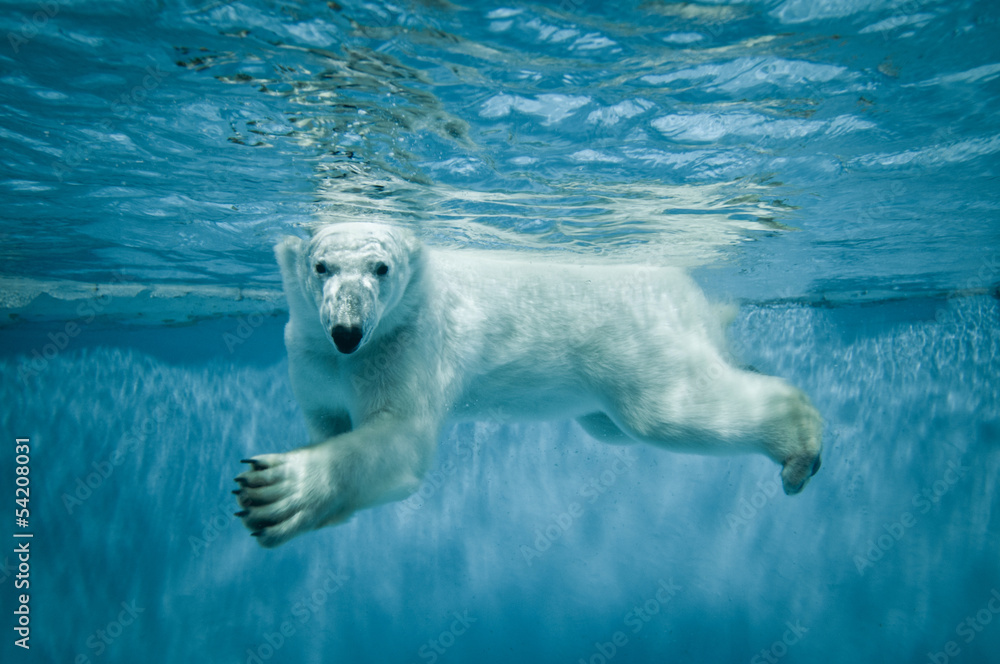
<point x="388" y="340"/>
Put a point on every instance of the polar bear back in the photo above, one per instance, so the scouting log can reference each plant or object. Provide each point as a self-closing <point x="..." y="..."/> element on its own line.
<point x="535" y="329"/>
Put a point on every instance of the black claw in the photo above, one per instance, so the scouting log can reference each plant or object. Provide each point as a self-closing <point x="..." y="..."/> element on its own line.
<point x="237" y="492"/>
<point x="241" y="481"/>
<point x="241" y="513"/>
<point x="257" y="533"/>
<point x="257" y="465"/>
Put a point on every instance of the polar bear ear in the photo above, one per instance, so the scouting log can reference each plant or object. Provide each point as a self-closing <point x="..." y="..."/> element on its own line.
<point x="313" y="227"/>
<point x="288" y="253"/>
<point x="412" y="244"/>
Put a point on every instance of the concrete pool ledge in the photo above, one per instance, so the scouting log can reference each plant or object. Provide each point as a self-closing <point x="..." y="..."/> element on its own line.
<point x="33" y="301"/>
<point x="26" y="301"/>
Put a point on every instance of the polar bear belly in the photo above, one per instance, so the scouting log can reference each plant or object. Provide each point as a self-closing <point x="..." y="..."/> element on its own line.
<point x="506" y="394"/>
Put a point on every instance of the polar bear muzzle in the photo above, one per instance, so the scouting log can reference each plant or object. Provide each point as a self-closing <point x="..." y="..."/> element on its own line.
<point x="346" y="339"/>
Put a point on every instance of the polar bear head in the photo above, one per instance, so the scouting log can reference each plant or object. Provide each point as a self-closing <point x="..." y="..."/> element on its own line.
<point x="353" y="273"/>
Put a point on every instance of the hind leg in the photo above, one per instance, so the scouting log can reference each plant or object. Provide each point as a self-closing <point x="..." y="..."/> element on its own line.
<point x="717" y="409"/>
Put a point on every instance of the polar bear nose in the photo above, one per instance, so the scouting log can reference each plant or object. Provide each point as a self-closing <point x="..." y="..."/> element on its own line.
<point x="346" y="339"/>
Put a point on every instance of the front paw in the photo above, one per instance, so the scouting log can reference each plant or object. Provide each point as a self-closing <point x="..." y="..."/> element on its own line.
<point x="284" y="495"/>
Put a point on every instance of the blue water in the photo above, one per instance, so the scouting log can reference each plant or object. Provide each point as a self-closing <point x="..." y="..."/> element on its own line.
<point x="830" y="166"/>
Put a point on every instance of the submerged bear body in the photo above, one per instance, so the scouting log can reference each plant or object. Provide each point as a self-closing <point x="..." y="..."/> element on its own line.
<point x="389" y="340"/>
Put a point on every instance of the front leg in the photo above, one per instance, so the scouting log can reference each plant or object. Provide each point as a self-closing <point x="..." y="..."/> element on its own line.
<point x="284" y="495"/>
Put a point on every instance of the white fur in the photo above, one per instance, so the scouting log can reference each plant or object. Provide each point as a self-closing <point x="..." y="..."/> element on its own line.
<point x="635" y="353"/>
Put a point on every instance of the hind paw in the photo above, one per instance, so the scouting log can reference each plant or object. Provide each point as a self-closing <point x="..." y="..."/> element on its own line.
<point x="796" y="471"/>
<point x="800" y="443"/>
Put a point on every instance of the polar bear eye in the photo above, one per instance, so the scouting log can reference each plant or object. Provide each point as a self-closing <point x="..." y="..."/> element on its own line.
<point x="381" y="269"/>
<point x="320" y="268"/>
